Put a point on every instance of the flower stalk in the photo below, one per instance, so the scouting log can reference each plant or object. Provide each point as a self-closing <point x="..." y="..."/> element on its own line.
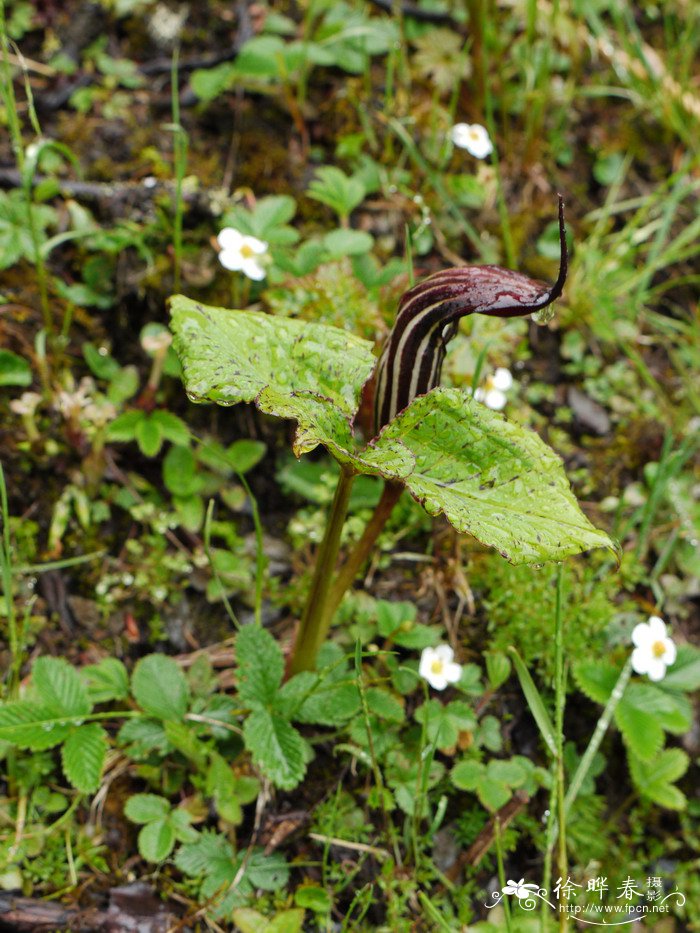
<point x="315" y="621"/>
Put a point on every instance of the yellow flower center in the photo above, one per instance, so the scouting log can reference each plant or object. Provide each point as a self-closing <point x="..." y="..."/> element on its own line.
<point x="658" y="649"/>
<point x="437" y="666"/>
<point x="246" y="251"/>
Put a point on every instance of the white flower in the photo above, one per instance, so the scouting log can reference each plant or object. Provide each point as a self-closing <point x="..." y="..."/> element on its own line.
<point x="70" y="403"/>
<point x="438" y="667"/>
<point x="473" y="137"/>
<point x="156" y="342"/>
<point x="26" y="404"/>
<point x="654" y="651"/>
<point x="493" y="395"/>
<point x="520" y="889"/>
<point x="241" y="253"/>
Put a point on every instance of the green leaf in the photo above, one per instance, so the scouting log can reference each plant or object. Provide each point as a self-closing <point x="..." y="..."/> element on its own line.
<point x="180" y="472"/>
<point x="444" y="723"/>
<point x="654" y="778"/>
<point x="171" y="427"/>
<point x="102" y="365"/>
<point x="14" y="370"/>
<point x="344" y="242"/>
<point x="28" y="725"/>
<point x="497" y="668"/>
<point x="684" y="673"/>
<point x="259" y="56"/>
<point x="208" y="83"/>
<point x="493" y="794"/>
<point x="642" y="715"/>
<point x="314" y="897"/>
<point x="182" y="737"/>
<point x="510" y="772"/>
<point x="83" y="757"/>
<point x="211" y="854"/>
<point x="248" y="920"/>
<point x="145" y="808"/>
<point x="277" y="748"/>
<point x="233" y="356"/>
<point x="287" y="921"/>
<point x="15" y="236"/>
<point x="142" y="737"/>
<point x="325" y="700"/>
<point x="642" y="733"/>
<point x="245" y="454"/>
<point x="59" y="687"/>
<point x="156" y="840"/>
<point x="160" y="687"/>
<point x="260" y="666"/>
<point x="107" y="680"/>
<point x="123" y="428"/>
<point x="384" y="704"/>
<point x="269" y="872"/>
<point x="491" y="478"/>
<point x="466" y="775"/>
<point x="535" y="702"/>
<point x="339" y="191"/>
<point x="596" y="679"/>
<point x="149" y="436"/>
<point x="272" y="211"/>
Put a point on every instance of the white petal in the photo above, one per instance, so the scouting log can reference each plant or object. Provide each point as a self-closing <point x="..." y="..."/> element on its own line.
<point x="231" y="259"/>
<point x="437" y="681"/>
<point x="657" y="669"/>
<point x="252" y="268"/>
<point x="460" y="135"/>
<point x="426" y="661"/>
<point x="502" y="379"/>
<point x="258" y="246"/>
<point x="657" y="628"/>
<point x="479" y="394"/>
<point x="495" y="400"/>
<point x="641" y="660"/>
<point x="452" y="672"/>
<point x="641" y="635"/>
<point x="230" y="239"/>
<point x="444" y="653"/>
<point x="669" y="655"/>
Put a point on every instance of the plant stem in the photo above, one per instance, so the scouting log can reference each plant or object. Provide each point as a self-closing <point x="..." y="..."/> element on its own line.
<point x="597" y="737"/>
<point x="560" y="699"/>
<point x="180" y="159"/>
<point x="362" y="550"/>
<point x="15" y="129"/>
<point x="501" y="868"/>
<point x="316" y="619"/>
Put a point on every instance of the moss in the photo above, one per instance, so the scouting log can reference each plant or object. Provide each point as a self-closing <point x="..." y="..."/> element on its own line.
<point x="519" y="605"/>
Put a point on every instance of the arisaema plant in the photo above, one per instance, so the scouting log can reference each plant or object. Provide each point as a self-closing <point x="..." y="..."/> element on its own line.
<point x="489" y="477"/>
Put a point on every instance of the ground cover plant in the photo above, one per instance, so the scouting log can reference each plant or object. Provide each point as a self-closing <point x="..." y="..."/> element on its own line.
<point x="400" y="632"/>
